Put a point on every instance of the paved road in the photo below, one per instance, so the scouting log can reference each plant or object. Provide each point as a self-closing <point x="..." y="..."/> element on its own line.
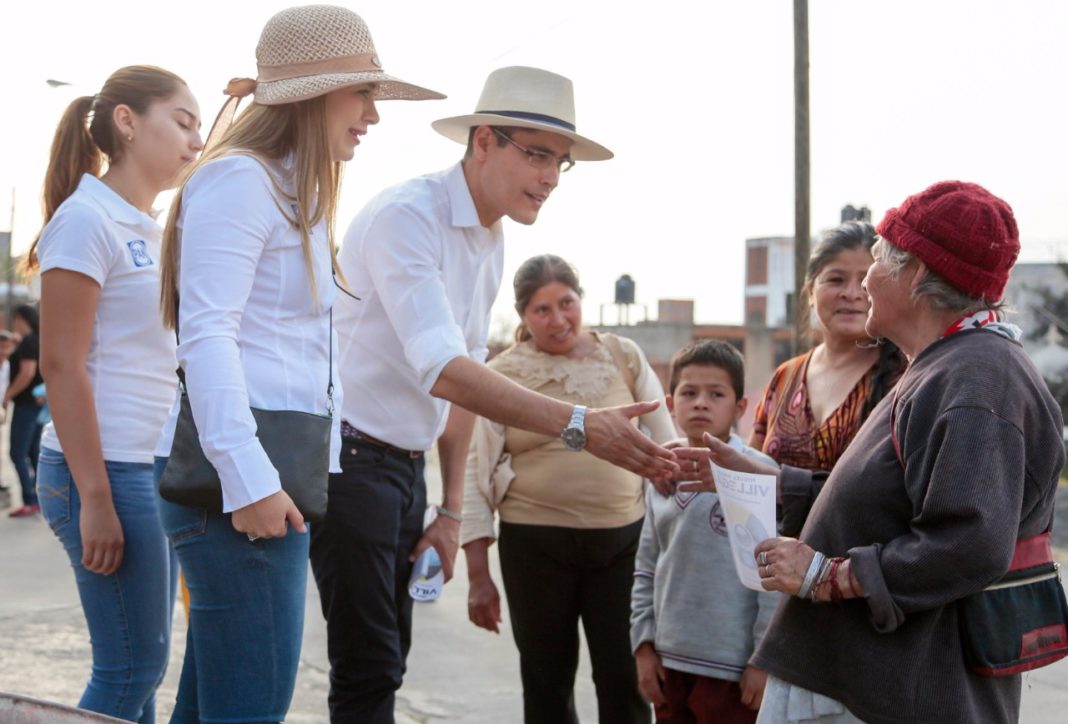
<point x="457" y="673"/>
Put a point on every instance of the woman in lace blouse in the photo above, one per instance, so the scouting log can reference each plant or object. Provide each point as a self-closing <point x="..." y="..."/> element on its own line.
<point x="569" y="522"/>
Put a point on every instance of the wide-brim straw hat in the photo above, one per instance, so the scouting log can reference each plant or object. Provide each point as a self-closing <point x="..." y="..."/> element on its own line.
<point x="308" y="51"/>
<point x="522" y="97"/>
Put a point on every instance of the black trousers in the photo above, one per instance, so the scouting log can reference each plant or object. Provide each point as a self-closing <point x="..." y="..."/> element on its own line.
<point x="359" y="557"/>
<point x="553" y="578"/>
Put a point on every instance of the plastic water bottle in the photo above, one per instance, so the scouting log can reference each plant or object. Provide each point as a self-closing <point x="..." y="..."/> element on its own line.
<point x="427" y="577"/>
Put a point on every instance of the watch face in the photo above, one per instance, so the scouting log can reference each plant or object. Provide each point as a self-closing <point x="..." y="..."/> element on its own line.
<point x="574" y="438"/>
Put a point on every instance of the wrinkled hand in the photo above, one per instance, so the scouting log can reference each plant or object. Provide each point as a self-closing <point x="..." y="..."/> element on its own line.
<point x="695" y="474"/>
<point x="753" y="682"/>
<point x="610" y="435"/>
<point x="650" y="674"/>
<point x="721" y="454"/>
<point x="787" y="563"/>
<point x="103" y="542"/>
<point x="730" y="458"/>
<point x="484" y="603"/>
<point x="268" y="517"/>
<point x="444" y="534"/>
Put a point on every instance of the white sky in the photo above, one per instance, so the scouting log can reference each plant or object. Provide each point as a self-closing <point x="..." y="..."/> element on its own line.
<point x="694" y="97"/>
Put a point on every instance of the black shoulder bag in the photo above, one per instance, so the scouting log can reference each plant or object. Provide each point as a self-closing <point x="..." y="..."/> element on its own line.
<point x="297" y="443"/>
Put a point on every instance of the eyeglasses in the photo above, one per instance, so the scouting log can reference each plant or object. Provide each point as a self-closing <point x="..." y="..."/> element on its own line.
<point x="539" y="159"/>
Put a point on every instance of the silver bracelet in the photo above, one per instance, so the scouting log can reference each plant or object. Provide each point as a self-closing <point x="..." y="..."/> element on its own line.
<point x="810" y="576"/>
<point x="821" y="578"/>
<point x="442" y="510"/>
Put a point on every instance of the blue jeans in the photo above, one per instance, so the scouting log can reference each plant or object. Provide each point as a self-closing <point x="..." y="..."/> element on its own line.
<point x="128" y="612"/>
<point x="25" y="446"/>
<point x="246" y="606"/>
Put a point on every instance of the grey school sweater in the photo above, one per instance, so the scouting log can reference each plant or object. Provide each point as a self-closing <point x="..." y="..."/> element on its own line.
<point x="687" y="598"/>
<point x="980" y="437"/>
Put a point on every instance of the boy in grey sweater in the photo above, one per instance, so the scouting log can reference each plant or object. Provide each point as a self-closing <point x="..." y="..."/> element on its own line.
<point x="693" y="624"/>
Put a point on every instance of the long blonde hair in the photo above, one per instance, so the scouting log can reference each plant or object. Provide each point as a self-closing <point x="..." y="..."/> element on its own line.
<point x="270" y="132"/>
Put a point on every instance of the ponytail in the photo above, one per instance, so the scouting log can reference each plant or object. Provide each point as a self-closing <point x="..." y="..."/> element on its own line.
<point x="87" y="135"/>
<point x="74" y="153"/>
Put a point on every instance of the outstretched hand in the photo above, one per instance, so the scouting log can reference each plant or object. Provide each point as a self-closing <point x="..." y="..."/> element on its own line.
<point x="696" y="464"/>
<point x="610" y="435"/>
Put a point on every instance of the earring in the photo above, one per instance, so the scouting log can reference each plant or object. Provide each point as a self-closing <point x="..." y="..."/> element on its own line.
<point x="872" y="343"/>
<point x="129" y="137"/>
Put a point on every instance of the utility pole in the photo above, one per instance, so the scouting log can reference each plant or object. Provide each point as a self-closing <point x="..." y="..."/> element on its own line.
<point x="802" y="204"/>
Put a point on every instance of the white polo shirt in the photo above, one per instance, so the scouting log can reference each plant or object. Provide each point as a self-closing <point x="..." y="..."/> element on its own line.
<point x="251" y="332"/>
<point x="131" y="358"/>
<point x="427" y="273"/>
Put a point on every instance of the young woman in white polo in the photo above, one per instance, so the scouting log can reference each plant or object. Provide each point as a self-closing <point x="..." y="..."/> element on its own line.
<point x="109" y="364"/>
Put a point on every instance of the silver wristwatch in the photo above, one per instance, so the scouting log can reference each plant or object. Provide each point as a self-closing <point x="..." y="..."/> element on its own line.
<point x="574" y="435"/>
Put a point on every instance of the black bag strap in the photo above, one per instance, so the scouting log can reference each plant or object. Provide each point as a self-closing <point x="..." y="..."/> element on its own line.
<point x="330" y="355"/>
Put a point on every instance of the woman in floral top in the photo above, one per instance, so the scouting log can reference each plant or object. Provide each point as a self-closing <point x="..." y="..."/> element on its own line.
<point x="816" y="402"/>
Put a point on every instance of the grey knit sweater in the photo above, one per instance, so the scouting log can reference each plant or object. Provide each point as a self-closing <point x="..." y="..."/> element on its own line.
<point x="687" y="598"/>
<point x="980" y="436"/>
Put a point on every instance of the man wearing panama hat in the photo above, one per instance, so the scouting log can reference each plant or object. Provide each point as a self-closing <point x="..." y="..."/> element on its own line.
<point x="425" y="259"/>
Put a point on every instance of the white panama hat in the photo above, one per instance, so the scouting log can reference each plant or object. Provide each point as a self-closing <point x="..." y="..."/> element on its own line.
<point x="521" y="97"/>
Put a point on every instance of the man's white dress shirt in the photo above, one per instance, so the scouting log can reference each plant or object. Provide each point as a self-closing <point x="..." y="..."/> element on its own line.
<point x="427" y="273"/>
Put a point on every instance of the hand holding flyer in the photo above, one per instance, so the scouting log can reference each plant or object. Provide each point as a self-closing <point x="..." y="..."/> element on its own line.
<point x="748" y="502"/>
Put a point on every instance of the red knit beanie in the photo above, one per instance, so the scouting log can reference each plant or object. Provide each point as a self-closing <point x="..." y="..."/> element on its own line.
<point x="962" y="232"/>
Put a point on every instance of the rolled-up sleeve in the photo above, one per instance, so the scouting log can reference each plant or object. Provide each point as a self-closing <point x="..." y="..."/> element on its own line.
<point x="226" y="222"/>
<point x="403" y="257"/>
<point x="487" y="445"/>
<point x="966" y="481"/>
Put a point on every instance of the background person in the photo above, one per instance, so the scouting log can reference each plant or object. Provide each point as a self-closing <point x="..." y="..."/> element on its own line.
<point x="25" y="438"/>
<point x="7" y="346"/>
<point x="816" y="402"/>
<point x="693" y="624"/>
<point x="570" y="523"/>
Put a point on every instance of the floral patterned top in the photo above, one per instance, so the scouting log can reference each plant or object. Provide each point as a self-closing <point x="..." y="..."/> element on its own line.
<point x="790" y="433"/>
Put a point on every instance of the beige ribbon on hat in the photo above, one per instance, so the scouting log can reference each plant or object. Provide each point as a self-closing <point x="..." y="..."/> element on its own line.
<point x="359" y="63"/>
<point x="236" y="89"/>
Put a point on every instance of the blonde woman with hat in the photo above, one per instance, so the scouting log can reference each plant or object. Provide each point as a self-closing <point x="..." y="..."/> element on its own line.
<point x="426" y="258"/>
<point x="110" y="368"/>
<point x="247" y="265"/>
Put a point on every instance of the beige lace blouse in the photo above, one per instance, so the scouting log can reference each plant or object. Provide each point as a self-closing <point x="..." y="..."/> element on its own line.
<point x="532" y="478"/>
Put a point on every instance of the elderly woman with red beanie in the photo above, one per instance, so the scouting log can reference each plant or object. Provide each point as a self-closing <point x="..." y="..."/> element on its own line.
<point x="926" y="506"/>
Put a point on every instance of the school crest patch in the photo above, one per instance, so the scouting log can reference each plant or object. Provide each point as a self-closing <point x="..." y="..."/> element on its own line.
<point x="139" y="252"/>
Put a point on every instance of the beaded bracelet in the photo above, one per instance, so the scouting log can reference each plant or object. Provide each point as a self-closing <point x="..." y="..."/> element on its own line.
<point x="836" y="590"/>
<point x="821" y="579"/>
<point x="810" y="575"/>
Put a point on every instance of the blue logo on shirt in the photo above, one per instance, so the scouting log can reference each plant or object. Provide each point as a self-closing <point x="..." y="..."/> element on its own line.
<point x="139" y="252"/>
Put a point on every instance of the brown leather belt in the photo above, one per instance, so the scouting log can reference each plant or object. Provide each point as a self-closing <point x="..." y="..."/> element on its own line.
<point x="350" y="432"/>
